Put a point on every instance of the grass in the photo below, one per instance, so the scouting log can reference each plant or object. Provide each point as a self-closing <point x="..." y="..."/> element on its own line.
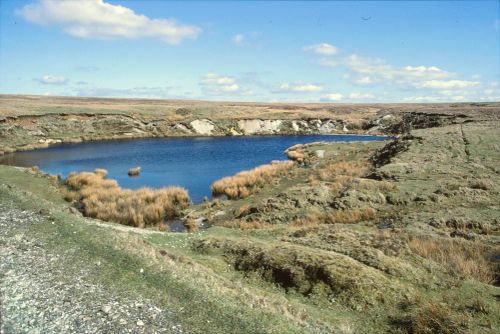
<point x="101" y="198"/>
<point x="196" y="299"/>
<point x="250" y="182"/>
<point x="296" y="153"/>
<point x="460" y="257"/>
<point x="269" y="274"/>
<point x="337" y="217"/>
<point x="246" y="225"/>
<point x="346" y="168"/>
<point x="435" y="317"/>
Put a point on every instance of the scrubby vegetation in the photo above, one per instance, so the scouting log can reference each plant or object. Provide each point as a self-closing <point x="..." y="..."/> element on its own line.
<point x="374" y="237"/>
<point x="296" y="153"/>
<point x="436" y="317"/>
<point x="338" y="217"/>
<point x="249" y="182"/>
<point x="461" y="257"/>
<point x="101" y="198"/>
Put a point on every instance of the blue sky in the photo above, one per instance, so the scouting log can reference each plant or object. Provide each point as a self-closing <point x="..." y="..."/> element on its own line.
<point x="356" y="51"/>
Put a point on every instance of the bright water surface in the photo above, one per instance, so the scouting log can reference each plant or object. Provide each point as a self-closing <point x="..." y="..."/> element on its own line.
<point x="193" y="163"/>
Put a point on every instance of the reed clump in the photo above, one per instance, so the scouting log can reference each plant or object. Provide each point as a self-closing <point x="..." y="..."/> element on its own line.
<point x="460" y="257"/>
<point x="337" y="217"/>
<point x="247" y="225"/>
<point x="249" y="182"/>
<point x="103" y="199"/>
<point x="296" y="153"/>
<point x="356" y="168"/>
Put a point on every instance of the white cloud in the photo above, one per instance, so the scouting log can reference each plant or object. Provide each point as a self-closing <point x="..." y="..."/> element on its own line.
<point x="363" y="80"/>
<point x="373" y="71"/>
<point x="216" y="84"/>
<point x="333" y="97"/>
<point x="135" y="92"/>
<point x="322" y="49"/>
<point x="299" y="87"/>
<point x="448" y="84"/>
<point x="50" y="79"/>
<point x="418" y="99"/>
<point x="361" y="96"/>
<point x="98" y="19"/>
<point x="238" y="39"/>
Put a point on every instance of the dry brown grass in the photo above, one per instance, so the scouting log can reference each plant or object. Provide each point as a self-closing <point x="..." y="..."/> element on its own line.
<point x="373" y="184"/>
<point x="296" y="153"/>
<point x="190" y="225"/>
<point x="247" y="225"/>
<point x="460" y="257"/>
<point x="337" y="217"/>
<point x="435" y="317"/>
<point x="249" y="182"/>
<point x="356" y="168"/>
<point x="480" y="184"/>
<point x="104" y="199"/>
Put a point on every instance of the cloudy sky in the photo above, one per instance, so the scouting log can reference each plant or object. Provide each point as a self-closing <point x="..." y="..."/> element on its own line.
<point x="413" y="51"/>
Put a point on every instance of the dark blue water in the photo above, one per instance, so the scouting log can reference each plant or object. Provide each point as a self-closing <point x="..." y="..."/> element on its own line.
<point x="193" y="163"/>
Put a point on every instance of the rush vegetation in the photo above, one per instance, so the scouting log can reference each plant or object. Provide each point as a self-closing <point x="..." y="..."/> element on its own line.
<point x="250" y="182"/>
<point x="101" y="198"/>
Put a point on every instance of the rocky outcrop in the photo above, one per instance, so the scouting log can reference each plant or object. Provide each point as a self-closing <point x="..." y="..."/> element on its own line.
<point x="29" y="132"/>
<point x="202" y="126"/>
<point x="406" y="122"/>
<point x="258" y="126"/>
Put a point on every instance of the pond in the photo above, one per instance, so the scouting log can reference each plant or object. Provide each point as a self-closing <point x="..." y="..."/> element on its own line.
<point x="193" y="163"/>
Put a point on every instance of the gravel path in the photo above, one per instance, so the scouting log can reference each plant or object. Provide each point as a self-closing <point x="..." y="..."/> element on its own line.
<point x="38" y="296"/>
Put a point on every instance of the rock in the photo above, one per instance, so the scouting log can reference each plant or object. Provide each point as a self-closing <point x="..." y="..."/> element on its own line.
<point x="259" y="126"/>
<point x="73" y="210"/>
<point x="134" y="171"/>
<point x="219" y="213"/>
<point x="320" y="153"/>
<point x="140" y="323"/>
<point x="202" y="126"/>
<point x="106" y="309"/>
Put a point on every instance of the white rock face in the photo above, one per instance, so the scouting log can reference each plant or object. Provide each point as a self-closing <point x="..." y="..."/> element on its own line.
<point x="328" y="127"/>
<point x="181" y="127"/>
<point x="202" y="126"/>
<point x="255" y="126"/>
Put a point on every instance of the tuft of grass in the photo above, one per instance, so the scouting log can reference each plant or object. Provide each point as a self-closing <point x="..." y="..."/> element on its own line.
<point x="190" y="225"/>
<point x="101" y="198"/>
<point x="249" y="182"/>
<point x="374" y="184"/>
<point x="337" y="217"/>
<point x="480" y="184"/>
<point x="460" y="257"/>
<point x="247" y="225"/>
<point x="435" y="317"/>
<point x="356" y="168"/>
<point x="296" y="153"/>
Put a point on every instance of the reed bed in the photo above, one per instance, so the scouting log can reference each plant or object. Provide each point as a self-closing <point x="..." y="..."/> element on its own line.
<point x="102" y="198"/>
<point x="460" y="257"/>
<point x="296" y="153"/>
<point x="337" y="217"/>
<point x="249" y="182"/>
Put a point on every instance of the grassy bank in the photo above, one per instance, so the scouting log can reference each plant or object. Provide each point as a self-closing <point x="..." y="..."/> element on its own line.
<point x="365" y="237"/>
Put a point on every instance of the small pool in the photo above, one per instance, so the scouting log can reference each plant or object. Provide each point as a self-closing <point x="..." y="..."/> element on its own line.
<point x="193" y="163"/>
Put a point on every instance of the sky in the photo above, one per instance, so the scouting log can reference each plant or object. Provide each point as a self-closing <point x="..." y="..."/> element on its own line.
<point x="345" y="52"/>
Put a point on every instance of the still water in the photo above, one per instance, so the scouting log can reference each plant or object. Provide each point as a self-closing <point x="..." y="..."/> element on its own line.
<point x="193" y="163"/>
